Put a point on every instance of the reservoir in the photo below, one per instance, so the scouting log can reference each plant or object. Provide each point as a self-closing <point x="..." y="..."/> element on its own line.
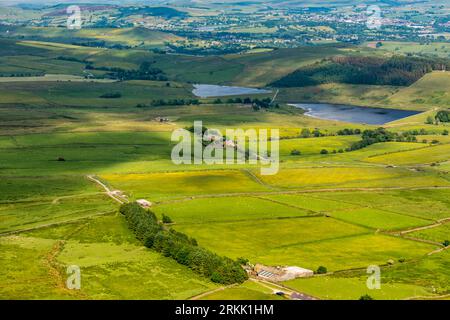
<point x="210" y="90"/>
<point x="353" y="114"/>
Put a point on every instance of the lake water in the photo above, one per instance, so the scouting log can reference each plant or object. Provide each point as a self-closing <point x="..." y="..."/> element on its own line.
<point x="353" y="114"/>
<point x="210" y="90"/>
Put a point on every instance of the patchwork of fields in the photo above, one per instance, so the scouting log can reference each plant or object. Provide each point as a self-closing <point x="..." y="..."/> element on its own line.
<point x="386" y="204"/>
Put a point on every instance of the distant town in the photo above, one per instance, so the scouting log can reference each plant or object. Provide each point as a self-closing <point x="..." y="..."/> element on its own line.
<point x="246" y="27"/>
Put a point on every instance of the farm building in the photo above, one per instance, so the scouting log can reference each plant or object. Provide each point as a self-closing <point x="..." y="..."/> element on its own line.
<point x="144" y="203"/>
<point x="119" y="195"/>
<point x="281" y="273"/>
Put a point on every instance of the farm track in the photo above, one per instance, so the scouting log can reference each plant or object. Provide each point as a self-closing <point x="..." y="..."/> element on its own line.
<point x="55" y="270"/>
<point x="282" y="288"/>
<point x="404" y="234"/>
<point x="107" y="190"/>
<point x="56" y="200"/>
<point x="417" y="240"/>
<point x="437" y="224"/>
<point x="267" y="284"/>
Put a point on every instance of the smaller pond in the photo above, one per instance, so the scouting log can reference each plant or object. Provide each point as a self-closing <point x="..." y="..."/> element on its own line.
<point x="210" y="90"/>
<point x="353" y="114"/>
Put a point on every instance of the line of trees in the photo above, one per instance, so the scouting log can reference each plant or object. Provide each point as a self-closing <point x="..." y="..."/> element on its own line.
<point x="348" y="132"/>
<point x="256" y="103"/>
<point x="111" y="95"/>
<point x="180" y="247"/>
<point x="316" y="133"/>
<point x="306" y="133"/>
<point x="145" y="72"/>
<point x="172" y="102"/>
<point x="23" y="74"/>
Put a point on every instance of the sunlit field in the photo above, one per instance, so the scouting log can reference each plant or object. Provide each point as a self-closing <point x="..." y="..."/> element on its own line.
<point x="86" y="124"/>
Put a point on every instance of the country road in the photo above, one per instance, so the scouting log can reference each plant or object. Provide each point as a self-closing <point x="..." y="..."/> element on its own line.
<point x="267" y="284"/>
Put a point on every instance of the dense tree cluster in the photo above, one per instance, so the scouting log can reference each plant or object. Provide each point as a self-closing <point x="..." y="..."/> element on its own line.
<point x="145" y="72"/>
<point x="23" y="74"/>
<point x="348" y="132"/>
<point x="111" y="95"/>
<point x="180" y="247"/>
<point x="172" y="102"/>
<point x="396" y="71"/>
<point x="265" y="103"/>
<point x="443" y="116"/>
<point x="321" y="270"/>
<point x="307" y="133"/>
<point x="370" y="137"/>
<point x="193" y="49"/>
<point x="71" y="59"/>
<point x="257" y="104"/>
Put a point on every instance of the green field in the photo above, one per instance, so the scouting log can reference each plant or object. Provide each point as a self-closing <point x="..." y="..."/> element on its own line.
<point x="426" y="203"/>
<point x="249" y="238"/>
<point x="351" y="177"/>
<point x="427" y="155"/>
<point x="233" y="208"/>
<point x="437" y="234"/>
<point x="183" y="184"/>
<point x="109" y="258"/>
<point x="342" y="210"/>
<point x="439" y="49"/>
<point x="430" y="91"/>
<point x="378" y="219"/>
<point x="353" y="288"/>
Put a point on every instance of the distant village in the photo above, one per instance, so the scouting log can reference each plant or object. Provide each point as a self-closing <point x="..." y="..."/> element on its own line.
<point x="238" y="30"/>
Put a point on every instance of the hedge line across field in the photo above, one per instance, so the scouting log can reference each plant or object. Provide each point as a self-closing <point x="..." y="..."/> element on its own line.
<point x="180" y="247"/>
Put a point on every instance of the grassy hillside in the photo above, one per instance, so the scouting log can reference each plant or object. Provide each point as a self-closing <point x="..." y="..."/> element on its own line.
<point x="260" y="69"/>
<point x="339" y="210"/>
<point x="133" y="37"/>
<point x="429" y="92"/>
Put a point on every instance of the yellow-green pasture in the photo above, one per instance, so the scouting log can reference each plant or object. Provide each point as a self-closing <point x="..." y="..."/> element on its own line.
<point x="423" y="278"/>
<point x="160" y="186"/>
<point x="110" y="260"/>
<point x="327" y="177"/>
<point x="427" y="155"/>
<point x="437" y="234"/>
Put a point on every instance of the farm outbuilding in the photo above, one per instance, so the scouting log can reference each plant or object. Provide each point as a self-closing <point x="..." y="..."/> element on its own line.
<point x="144" y="203"/>
<point x="282" y="273"/>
